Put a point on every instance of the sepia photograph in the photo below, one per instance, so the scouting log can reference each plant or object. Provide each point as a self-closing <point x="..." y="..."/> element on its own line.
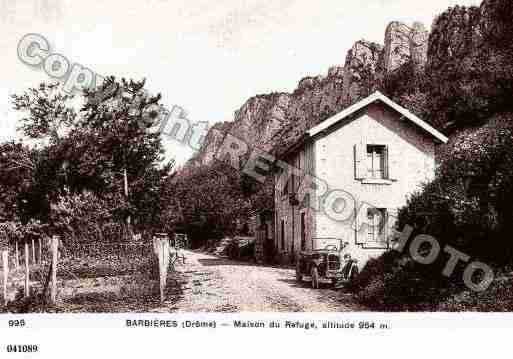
<point x="172" y="157"/>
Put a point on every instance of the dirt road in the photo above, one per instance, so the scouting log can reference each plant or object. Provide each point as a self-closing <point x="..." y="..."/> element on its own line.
<point x="212" y="284"/>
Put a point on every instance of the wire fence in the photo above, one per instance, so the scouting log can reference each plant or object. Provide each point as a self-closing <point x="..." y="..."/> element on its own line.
<point x="45" y="268"/>
<point x="27" y="268"/>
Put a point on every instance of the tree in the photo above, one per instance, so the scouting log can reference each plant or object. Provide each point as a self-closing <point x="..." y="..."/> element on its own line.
<point x="49" y="111"/>
<point x="108" y="147"/>
<point x="17" y="166"/>
<point x="121" y="124"/>
<point x="208" y="202"/>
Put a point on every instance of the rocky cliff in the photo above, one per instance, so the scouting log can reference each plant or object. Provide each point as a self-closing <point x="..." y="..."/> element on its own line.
<point x="470" y="64"/>
<point x="266" y="121"/>
<point x="457" y="38"/>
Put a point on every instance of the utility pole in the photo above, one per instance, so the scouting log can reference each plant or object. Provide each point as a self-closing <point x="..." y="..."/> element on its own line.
<point x="128" y="231"/>
<point x="125" y="181"/>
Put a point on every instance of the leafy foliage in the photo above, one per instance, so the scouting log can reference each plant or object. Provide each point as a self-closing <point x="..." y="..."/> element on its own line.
<point x="210" y="202"/>
<point x="469" y="204"/>
<point x="17" y="165"/>
<point x="120" y="124"/>
<point x="86" y="218"/>
<point x="74" y="181"/>
<point x="48" y="111"/>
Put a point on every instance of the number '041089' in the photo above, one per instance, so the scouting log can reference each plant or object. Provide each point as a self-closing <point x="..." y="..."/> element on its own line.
<point x="22" y="348"/>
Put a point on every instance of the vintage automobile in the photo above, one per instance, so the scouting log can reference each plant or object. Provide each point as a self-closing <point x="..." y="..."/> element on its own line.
<point x="327" y="265"/>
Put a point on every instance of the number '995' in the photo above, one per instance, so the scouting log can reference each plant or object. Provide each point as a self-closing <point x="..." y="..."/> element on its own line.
<point x="22" y="348"/>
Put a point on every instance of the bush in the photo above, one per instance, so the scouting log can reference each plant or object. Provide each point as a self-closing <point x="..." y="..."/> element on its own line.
<point x="241" y="248"/>
<point x="9" y="232"/>
<point x="85" y="218"/>
<point x="393" y="282"/>
<point x="497" y="298"/>
<point x="469" y="205"/>
<point x="370" y="283"/>
<point x="12" y="231"/>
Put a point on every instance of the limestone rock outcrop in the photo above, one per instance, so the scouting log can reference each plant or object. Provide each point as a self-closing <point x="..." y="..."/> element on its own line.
<point x="360" y="70"/>
<point x="457" y="39"/>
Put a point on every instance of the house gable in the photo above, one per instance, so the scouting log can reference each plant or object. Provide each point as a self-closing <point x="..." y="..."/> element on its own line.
<point x="376" y="97"/>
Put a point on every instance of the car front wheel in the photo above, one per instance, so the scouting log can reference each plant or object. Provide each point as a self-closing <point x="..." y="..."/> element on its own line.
<point x="315" y="277"/>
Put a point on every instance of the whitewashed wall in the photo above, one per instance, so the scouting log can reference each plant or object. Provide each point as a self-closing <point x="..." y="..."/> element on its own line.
<point x="411" y="154"/>
<point x="331" y="157"/>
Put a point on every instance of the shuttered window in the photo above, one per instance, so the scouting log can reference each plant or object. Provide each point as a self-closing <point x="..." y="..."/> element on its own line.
<point x="376" y="219"/>
<point x="376" y="161"/>
<point x="371" y="161"/>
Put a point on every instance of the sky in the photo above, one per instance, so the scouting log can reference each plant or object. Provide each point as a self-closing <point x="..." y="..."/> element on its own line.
<point x="205" y="56"/>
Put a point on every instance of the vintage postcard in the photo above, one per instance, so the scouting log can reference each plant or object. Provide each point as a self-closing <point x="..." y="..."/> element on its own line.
<point x="201" y="169"/>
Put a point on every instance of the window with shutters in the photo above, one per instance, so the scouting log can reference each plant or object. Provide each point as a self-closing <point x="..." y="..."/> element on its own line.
<point x="377" y="161"/>
<point x="376" y="219"/>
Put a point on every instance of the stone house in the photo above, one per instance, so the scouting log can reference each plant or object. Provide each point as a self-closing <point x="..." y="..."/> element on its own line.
<point x="372" y="155"/>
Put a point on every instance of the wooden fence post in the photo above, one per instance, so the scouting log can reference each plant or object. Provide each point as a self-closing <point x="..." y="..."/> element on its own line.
<point x="161" y="248"/>
<point x="16" y="256"/>
<point x="39" y="250"/>
<point x="27" y="271"/>
<point x="33" y="252"/>
<point x="165" y="266"/>
<point x="5" y="265"/>
<point x="54" y="248"/>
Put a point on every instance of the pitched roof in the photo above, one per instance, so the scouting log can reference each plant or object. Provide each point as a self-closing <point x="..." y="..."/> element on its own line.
<point x="376" y="96"/>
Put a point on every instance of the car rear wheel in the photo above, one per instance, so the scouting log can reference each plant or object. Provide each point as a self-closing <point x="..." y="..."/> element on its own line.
<point x="315" y="277"/>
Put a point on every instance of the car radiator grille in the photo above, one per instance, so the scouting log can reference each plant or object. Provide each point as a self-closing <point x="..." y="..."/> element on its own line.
<point x="333" y="262"/>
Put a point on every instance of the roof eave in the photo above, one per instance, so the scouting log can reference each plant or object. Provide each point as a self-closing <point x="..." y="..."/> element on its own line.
<point x="293" y="147"/>
<point x="377" y="96"/>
